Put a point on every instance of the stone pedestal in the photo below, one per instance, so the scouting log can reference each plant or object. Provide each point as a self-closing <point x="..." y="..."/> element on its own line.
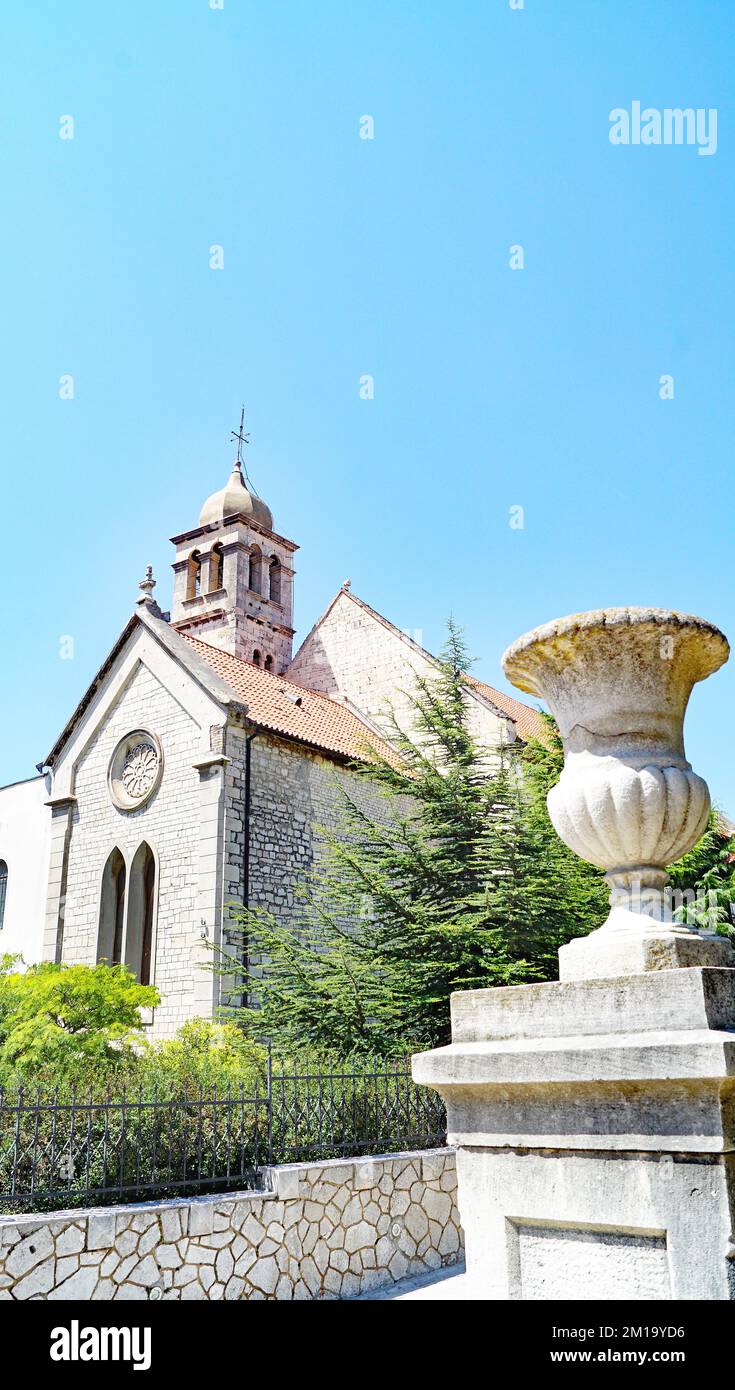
<point x="595" y="1130"/>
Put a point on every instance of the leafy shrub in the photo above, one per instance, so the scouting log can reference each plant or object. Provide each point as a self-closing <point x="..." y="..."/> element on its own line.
<point x="70" y="1023"/>
<point x="204" y="1056"/>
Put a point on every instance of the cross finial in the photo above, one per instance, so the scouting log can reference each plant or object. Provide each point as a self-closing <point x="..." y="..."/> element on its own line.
<point x="240" y="436"/>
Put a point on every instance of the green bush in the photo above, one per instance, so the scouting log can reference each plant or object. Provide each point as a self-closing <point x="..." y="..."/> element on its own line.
<point x="70" y="1023"/>
<point x="204" y="1056"/>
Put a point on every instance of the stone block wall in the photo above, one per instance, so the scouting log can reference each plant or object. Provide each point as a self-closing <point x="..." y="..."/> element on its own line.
<point x="326" y="1230"/>
<point x="294" y="791"/>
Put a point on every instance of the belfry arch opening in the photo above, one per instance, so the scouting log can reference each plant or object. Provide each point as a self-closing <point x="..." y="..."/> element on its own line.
<point x="274" y="579"/>
<point x="216" y="568"/>
<point x="254" y="569"/>
<point x="194" y="575"/>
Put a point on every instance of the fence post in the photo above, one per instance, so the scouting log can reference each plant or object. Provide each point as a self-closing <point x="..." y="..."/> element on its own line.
<point x="269" y="1104"/>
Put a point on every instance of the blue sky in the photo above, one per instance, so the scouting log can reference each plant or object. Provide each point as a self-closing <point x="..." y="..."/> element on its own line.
<point x="494" y="388"/>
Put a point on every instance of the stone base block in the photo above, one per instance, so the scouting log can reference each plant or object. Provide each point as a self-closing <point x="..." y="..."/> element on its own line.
<point x="595" y="1129"/>
<point x="606" y="953"/>
<point x="541" y="1225"/>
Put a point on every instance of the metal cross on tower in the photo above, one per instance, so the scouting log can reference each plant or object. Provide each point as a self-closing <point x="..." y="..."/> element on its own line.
<point x="240" y="436"/>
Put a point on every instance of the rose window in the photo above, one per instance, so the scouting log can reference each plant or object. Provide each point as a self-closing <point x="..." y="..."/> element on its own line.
<point x="135" y="770"/>
<point x="139" y="770"/>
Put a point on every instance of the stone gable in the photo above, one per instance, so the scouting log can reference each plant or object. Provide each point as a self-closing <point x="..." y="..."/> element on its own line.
<point x="352" y="655"/>
<point x="169" y="823"/>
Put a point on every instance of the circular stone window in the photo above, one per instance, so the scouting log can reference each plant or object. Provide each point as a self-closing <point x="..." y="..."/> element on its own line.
<point x="135" y="771"/>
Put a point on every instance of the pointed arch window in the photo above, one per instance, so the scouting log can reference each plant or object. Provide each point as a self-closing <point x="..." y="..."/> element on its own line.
<point x="141" y="914"/>
<point x="274" y="579"/>
<point x="216" y="568"/>
<point x="3" y="890"/>
<point x="194" y="575"/>
<point x="112" y="910"/>
<point x="254" y="568"/>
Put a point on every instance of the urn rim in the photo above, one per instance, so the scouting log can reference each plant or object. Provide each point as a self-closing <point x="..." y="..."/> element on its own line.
<point x="523" y="661"/>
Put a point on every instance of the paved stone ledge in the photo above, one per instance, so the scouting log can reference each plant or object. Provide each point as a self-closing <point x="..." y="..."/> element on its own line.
<point x="328" y="1230"/>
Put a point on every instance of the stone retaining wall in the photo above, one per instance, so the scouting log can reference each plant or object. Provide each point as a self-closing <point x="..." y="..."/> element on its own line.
<point x="327" y="1230"/>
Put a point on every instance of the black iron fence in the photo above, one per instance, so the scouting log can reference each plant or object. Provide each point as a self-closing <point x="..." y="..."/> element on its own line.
<point x="80" y="1148"/>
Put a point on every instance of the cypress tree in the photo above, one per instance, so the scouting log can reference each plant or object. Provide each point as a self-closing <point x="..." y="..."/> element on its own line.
<point x="459" y="882"/>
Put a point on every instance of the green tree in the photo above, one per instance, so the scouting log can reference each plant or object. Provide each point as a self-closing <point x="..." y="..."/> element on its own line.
<point x="459" y="883"/>
<point x="61" y="1021"/>
<point x="704" y="880"/>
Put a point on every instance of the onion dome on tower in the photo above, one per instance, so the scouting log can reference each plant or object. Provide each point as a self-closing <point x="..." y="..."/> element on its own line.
<point x="235" y="499"/>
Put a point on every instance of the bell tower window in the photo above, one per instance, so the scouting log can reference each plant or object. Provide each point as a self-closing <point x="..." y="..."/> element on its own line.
<point x="254" y="567"/>
<point x="274" y="576"/>
<point x="268" y="665"/>
<point x="216" y="568"/>
<point x="194" y="575"/>
<point x="257" y="659"/>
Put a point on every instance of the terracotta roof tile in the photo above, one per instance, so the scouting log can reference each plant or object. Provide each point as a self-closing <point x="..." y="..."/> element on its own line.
<point x="282" y="707"/>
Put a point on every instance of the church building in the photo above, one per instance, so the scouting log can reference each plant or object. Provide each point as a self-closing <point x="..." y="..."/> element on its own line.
<point x="196" y="768"/>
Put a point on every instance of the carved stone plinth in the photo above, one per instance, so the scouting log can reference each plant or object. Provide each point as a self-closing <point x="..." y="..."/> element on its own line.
<point x="595" y="1132"/>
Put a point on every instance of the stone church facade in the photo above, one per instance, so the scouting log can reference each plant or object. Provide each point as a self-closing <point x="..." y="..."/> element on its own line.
<point x="198" y="765"/>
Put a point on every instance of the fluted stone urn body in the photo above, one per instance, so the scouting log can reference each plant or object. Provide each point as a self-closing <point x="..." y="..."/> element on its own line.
<point x="618" y="681"/>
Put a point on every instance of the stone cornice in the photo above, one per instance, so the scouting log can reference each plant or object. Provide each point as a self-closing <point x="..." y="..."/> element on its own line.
<point x="209" y="615"/>
<point x="214" y="527"/>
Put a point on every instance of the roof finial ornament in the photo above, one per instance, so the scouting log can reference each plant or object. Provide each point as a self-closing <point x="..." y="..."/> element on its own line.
<point x="147" y="586"/>
<point x="241" y="437"/>
<point x="346" y="583"/>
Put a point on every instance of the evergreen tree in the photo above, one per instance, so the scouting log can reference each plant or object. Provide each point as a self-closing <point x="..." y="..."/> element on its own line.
<point x="461" y="883"/>
<point x="704" y="880"/>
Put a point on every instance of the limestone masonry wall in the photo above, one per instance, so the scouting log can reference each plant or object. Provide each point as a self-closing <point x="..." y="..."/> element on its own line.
<point x="294" y="792"/>
<point x="326" y="1230"/>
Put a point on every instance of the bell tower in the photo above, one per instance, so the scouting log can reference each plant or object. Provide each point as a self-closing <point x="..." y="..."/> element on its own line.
<point x="233" y="577"/>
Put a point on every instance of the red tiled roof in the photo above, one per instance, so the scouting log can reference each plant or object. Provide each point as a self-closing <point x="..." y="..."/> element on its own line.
<point x="279" y="705"/>
<point x="527" y="720"/>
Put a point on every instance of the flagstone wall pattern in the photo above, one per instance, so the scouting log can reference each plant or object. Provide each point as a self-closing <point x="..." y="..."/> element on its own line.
<point x="325" y="1230"/>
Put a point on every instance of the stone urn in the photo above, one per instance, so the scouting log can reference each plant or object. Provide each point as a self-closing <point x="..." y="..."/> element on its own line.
<point x="617" y="682"/>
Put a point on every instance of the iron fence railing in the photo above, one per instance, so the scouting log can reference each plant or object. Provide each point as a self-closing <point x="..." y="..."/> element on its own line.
<point x="79" y="1148"/>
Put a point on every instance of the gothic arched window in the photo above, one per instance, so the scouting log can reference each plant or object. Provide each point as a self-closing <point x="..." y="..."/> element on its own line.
<point x="112" y="910"/>
<point x="256" y="657"/>
<point x="194" y="575"/>
<point x="274" y="573"/>
<point x="3" y="890"/>
<point x="268" y="664"/>
<point x="141" y="914"/>
<point x="254" y="570"/>
<point x="216" y="570"/>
